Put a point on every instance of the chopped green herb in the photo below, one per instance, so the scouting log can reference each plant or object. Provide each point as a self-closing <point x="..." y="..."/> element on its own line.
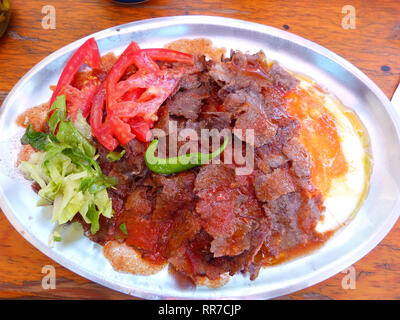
<point x="57" y="113"/>
<point x="93" y="216"/>
<point x="115" y="156"/>
<point x="123" y="228"/>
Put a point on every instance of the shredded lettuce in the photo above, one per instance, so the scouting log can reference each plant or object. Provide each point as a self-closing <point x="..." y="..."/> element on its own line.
<point x="67" y="172"/>
<point x="38" y="140"/>
<point x="83" y="127"/>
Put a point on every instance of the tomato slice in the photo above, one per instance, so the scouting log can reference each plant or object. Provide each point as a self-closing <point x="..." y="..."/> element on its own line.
<point x="153" y="98"/>
<point x="133" y="94"/>
<point x="87" y="53"/>
<point x="169" y="55"/>
<point x="101" y="130"/>
<point x="120" y="129"/>
<point x="132" y="104"/>
<point x="80" y="99"/>
<point x="138" y="80"/>
<point x="144" y="63"/>
<point x="116" y="73"/>
<point x="141" y="128"/>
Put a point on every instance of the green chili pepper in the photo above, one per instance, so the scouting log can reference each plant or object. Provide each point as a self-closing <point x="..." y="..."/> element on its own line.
<point x="180" y="163"/>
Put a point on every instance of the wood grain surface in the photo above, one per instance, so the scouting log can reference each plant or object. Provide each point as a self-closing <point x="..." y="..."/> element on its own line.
<point x="374" y="47"/>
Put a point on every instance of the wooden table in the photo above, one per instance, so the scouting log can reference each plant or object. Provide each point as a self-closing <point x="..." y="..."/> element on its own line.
<point x="374" y="47"/>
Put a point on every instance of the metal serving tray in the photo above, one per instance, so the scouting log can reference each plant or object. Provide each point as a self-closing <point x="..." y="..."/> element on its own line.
<point x="376" y="217"/>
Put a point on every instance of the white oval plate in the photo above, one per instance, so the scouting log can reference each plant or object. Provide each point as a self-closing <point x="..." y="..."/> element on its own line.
<point x="376" y="217"/>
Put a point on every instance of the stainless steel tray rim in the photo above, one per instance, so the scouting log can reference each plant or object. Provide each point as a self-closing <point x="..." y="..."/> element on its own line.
<point x="260" y="291"/>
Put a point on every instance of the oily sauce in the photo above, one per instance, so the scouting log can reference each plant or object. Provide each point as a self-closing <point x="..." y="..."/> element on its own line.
<point x="319" y="134"/>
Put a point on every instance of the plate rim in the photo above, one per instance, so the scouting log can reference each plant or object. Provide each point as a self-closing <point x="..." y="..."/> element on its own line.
<point x="351" y="257"/>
